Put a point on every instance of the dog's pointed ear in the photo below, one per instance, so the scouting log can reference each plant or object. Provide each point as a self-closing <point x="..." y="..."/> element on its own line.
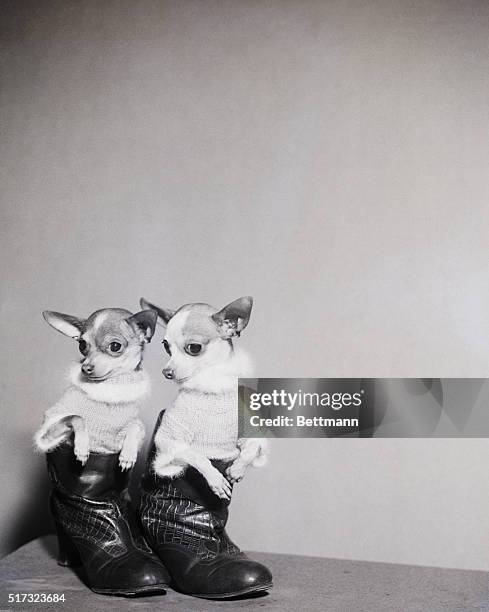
<point x="234" y="317"/>
<point x="144" y="323"/>
<point x="66" y="324"/>
<point x="164" y="314"/>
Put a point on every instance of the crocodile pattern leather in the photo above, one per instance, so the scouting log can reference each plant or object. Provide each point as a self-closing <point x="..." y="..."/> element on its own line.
<point x="97" y="527"/>
<point x="184" y="522"/>
<point x="169" y="518"/>
<point x="228" y="547"/>
<point x="89" y="523"/>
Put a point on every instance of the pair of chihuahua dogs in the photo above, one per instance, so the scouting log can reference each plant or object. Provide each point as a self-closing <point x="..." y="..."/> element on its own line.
<point x="204" y="363"/>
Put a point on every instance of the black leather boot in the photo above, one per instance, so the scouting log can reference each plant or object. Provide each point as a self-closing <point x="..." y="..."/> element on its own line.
<point x="184" y="522"/>
<point x="97" y="528"/>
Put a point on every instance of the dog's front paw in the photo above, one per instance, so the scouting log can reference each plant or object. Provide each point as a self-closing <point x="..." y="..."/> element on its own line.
<point x="236" y="471"/>
<point x="127" y="459"/>
<point x="161" y="463"/>
<point x="218" y="484"/>
<point x="81" y="446"/>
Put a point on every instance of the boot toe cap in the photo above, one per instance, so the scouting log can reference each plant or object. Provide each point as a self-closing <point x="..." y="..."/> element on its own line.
<point x="152" y="577"/>
<point x="143" y="575"/>
<point x="241" y="576"/>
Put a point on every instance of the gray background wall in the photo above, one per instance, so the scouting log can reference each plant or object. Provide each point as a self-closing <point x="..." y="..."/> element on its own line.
<point x="329" y="158"/>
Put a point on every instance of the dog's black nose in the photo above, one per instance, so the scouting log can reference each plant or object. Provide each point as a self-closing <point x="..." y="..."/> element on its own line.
<point x="87" y="368"/>
<point x="168" y="373"/>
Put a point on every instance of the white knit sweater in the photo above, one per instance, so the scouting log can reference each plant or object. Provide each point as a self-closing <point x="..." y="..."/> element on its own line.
<point x="107" y="407"/>
<point x="204" y="416"/>
<point x="206" y="421"/>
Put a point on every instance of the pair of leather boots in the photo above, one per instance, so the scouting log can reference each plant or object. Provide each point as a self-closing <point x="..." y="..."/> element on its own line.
<point x="177" y="539"/>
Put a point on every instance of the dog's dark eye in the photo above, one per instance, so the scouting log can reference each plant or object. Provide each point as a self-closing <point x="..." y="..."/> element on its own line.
<point x="82" y="345"/>
<point x="115" y="347"/>
<point x="167" y="347"/>
<point x="193" y="349"/>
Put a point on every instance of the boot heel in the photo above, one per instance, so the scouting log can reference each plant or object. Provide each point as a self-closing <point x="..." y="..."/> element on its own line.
<point x="68" y="556"/>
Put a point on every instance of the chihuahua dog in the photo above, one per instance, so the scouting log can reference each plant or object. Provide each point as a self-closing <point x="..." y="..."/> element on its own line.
<point x="202" y="423"/>
<point x="101" y="406"/>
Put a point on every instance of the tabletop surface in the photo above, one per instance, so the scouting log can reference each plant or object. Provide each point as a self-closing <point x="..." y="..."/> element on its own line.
<point x="308" y="583"/>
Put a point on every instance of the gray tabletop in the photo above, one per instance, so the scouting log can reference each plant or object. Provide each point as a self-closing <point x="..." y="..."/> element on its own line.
<point x="306" y="583"/>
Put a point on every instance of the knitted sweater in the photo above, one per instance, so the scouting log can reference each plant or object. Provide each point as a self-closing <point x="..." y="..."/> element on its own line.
<point x="108" y="408"/>
<point x="206" y="421"/>
<point x="204" y="416"/>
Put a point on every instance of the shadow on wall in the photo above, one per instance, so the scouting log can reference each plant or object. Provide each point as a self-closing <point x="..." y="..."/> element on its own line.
<point x="33" y="518"/>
